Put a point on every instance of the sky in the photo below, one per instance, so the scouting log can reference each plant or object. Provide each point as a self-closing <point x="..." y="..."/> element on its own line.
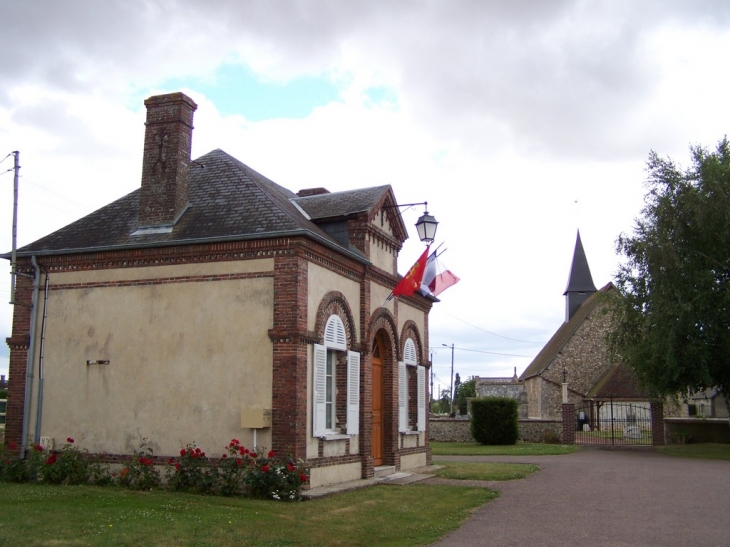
<point x="519" y="122"/>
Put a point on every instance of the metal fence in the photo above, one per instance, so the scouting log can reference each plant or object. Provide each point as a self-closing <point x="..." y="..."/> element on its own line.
<point x="613" y="423"/>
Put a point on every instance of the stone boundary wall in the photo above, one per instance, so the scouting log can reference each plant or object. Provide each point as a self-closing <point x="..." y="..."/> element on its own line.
<point x="697" y="430"/>
<point x="455" y="430"/>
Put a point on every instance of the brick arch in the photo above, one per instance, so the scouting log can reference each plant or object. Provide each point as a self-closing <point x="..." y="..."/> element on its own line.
<point x="335" y="303"/>
<point x="382" y="319"/>
<point x="410" y="330"/>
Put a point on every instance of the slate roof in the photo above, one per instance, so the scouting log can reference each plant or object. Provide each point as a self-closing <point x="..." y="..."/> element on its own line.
<point x="228" y="201"/>
<point x="563" y="335"/>
<point x="341" y="204"/>
<point x="580" y="279"/>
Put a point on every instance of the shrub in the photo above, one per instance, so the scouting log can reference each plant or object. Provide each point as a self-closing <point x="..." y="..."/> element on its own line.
<point x="66" y="466"/>
<point x="191" y="472"/>
<point x="12" y="467"/>
<point x="275" y="478"/>
<point x="141" y="473"/>
<point x="550" y="437"/>
<point x="494" y="420"/>
<point x="232" y="468"/>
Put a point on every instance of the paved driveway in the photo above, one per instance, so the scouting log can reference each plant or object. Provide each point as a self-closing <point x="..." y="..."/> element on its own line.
<point x="604" y="497"/>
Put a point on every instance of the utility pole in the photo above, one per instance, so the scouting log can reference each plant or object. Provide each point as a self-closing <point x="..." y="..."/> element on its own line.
<point x="451" y="408"/>
<point x="16" y="168"/>
<point x="430" y="406"/>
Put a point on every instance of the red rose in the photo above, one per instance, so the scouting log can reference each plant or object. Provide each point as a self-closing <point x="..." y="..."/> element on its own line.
<point x="182" y="452"/>
<point x="224" y="456"/>
<point x="13" y="445"/>
<point x="265" y="468"/>
<point x="38" y="448"/>
<point x="197" y="450"/>
<point x="177" y="466"/>
<point x="253" y="455"/>
<point x="170" y="460"/>
<point x="51" y="459"/>
<point x="242" y="451"/>
<point x="202" y="454"/>
<point x="238" y="462"/>
<point x="303" y="477"/>
<point x="271" y="454"/>
<point x="69" y="440"/>
<point x="194" y="455"/>
<point x="289" y="467"/>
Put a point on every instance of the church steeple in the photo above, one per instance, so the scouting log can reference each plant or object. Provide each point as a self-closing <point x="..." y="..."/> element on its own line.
<point x="580" y="282"/>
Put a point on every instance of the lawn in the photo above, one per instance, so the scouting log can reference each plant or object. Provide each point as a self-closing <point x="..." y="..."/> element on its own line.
<point x="519" y="449"/>
<point x="484" y="471"/>
<point x="705" y="451"/>
<point x="41" y="515"/>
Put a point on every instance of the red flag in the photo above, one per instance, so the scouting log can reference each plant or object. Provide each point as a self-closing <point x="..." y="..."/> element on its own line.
<point x="412" y="280"/>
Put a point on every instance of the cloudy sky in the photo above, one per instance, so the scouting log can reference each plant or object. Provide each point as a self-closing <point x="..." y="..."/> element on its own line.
<point x="518" y="121"/>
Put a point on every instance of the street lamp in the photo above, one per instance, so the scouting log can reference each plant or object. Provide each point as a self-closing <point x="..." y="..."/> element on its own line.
<point x="426" y="227"/>
<point x="426" y="224"/>
<point x="451" y="409"/>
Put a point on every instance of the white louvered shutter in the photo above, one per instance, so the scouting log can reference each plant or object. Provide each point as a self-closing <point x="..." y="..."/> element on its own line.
<point x="334" y="334"/>
<point x="353" y="393"/>
<point x="409" y="352"/>
<point x="319" y="394"/>
<point x="421" y="381"/>
<point x="402" y="397"/>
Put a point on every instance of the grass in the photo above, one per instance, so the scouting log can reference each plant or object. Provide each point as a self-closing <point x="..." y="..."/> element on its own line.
<point x="41" y="515"/>
<point x="519" y="449"/>
<point x="705" y="451"/>
<point x="484" y="471"/>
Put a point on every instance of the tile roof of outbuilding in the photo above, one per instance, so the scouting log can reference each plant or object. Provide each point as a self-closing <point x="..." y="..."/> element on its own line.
<point x="228" y="201"/>
<point x="618" y="382"/>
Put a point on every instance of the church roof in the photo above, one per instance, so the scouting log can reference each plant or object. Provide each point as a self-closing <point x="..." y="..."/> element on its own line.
<point x="580" y="279"/>
<point x="563" y="335"/>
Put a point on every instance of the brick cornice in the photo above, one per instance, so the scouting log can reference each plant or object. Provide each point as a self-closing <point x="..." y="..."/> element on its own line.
<point x="18" y="342"/>
<point x="289" y="337"/>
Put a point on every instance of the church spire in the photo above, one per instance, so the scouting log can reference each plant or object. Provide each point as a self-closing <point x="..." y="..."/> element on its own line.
<point x="580" y="282"/>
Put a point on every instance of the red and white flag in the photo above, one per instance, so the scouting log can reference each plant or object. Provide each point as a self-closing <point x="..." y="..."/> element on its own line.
<point x="436" y="278"/>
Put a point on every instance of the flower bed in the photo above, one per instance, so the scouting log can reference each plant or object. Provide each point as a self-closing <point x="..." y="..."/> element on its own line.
<point x="239" y="471"/>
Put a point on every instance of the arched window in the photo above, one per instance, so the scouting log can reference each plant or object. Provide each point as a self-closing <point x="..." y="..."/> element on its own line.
<point x="335" y="411"/>
<point x="411" y="391"/>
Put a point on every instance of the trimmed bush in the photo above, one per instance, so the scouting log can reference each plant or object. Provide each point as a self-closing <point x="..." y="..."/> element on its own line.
<point x="494" y="420"/>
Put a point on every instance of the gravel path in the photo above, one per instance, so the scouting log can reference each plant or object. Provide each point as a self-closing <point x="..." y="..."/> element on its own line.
<point x="631" y="497"/>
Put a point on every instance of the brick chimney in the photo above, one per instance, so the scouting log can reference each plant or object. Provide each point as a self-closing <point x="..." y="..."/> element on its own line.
<point x="165" y="165"/>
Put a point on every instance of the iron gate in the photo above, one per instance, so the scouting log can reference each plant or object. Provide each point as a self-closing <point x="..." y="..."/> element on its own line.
<point x="613" y="423"/>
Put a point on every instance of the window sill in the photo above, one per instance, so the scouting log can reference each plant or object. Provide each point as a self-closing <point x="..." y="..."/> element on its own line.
<point x="411" y="432"/>
<point x="334" y="437"/>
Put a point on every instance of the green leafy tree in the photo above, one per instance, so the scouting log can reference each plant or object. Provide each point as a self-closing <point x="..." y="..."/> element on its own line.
<point x="466" y="389"/>
<point x="441" y="405"/>
<point x="672" y="319"/>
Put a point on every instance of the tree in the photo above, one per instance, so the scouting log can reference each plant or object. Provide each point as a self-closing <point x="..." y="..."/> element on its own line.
<point x="671" y="323"/>
<point x="466" y="389"/>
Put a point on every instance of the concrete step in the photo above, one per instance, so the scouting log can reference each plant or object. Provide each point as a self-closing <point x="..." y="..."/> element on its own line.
<point x="384" y="471"/>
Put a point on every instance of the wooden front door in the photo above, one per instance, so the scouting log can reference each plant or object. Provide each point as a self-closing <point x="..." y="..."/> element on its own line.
<point x="377" y="429"/>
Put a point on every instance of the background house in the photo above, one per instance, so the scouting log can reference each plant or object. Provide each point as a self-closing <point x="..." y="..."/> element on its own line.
<point x="214" y="304"/>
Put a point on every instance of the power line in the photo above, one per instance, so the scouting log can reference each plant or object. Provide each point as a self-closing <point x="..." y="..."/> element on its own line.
<point x="494" y="333"/>
<point x="489" y="352"/>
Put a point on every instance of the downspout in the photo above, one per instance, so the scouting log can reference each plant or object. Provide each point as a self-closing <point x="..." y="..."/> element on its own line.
<point x="31" y="353"/>
<point x="39" y="407"/>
